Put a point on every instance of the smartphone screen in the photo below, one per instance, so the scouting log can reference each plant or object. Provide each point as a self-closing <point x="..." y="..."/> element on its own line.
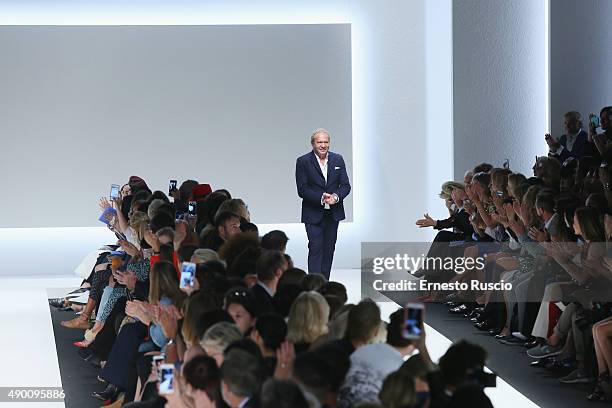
<point x="187" y="274"/>
<point x="192" y="208"/>
<point x="114" y="192"/>
<point x="171" y="186"/>
<point x="595" y="121"/>
<point x="158" y="360"/>
<point x="413" y="320"/>
<point x="166" y="379"/>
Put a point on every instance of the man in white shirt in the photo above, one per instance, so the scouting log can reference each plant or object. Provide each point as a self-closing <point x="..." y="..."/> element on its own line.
<point x="323" y="184"/>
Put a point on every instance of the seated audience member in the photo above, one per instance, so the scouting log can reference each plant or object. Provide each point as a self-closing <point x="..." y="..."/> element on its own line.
<point x="313" y="281"/>
<point x="338" y="364"/>
<point x="472" y="396"/>
<point x="574" y="143"/>
<point x="226" y="224"/>
<point x="203" y="255"/>
<point x="235" y="206"/>
<point x="276" y="240"/>
<point x="602" y="140"/>
<point x="198" y="385"/>
<point x="398" y="390"/>
<point x="308" y="318"/>
<point x="292" y="276"/>
<point x="241" y="378"/>
<point x="217" y="338"/>
<point x="458" y="220"/>
<point x="269" y="333"/>
<point x="282" y="394"/>
<point x="362" y="325"/>
<point x="461" y="365"/>
<point x="312" y="372"/>
<point x="269" y="268"/>
<point x="371" y="364"/>
<point x="239" y="305"/>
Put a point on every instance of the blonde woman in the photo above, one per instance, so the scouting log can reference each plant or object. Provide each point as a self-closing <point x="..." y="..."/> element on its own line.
<point x="217" y="338"/>
<point x="308" y="318"/>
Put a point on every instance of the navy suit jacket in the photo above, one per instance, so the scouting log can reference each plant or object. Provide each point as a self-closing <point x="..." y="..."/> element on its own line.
<point x="311" y="186"/>
<point x="582" y="147"/>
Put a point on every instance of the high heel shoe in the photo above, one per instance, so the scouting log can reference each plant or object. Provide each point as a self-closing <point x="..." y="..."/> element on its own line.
<point x="110" y="393"/>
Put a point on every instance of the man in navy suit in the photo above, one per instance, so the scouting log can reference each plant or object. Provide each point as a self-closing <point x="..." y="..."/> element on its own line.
<point x="574" y="143"/>
<point x="323" y="184"/>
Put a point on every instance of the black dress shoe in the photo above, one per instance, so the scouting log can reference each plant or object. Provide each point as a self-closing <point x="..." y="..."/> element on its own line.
<point x="534" y="343"/>
<point x="110" y="393"/>
<point x="501" y="336"/>
<point x="494" y="332"/>
<point x="484" y="325"/>
<point x="461" y="309"/>
<point x="541" y="362"/>
<point x="472" y="314"/>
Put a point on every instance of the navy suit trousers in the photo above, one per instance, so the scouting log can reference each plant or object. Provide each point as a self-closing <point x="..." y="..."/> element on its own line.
<point x="321" y="244"/>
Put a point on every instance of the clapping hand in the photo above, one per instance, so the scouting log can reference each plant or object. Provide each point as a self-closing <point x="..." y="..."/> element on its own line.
<point x="427" y="221"/>
<point x="104" y="204"/>
<point x="551" y="141"/>
<point x="329" y="199"/>
<point x="128" y="247"/>
<point x="285" y="355"/>
<point x="537" y="234"/>
<point x="167" y="317"/>
<point x="127" y="278"/>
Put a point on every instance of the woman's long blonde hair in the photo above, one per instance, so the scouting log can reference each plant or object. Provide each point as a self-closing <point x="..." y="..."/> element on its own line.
<point x="308" y="318"/>
<point x="163" y="281"/>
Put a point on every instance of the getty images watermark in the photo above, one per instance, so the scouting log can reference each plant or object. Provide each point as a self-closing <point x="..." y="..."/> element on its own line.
<point x="413" y="269"/>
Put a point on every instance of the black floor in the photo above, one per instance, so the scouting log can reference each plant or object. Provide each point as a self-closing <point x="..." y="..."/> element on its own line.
<point x="512" y="363"/>
<point x="78" y="377"/>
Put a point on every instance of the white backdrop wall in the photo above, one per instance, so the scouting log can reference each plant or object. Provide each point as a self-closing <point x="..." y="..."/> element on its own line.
<point x="500" y="82"/>
<point x="402" y="124"/>
<point x="86" y="106"/>
<point x="580" y="58"/>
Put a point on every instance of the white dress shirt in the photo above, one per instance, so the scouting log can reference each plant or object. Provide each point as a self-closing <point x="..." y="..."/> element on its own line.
<point x="323" y="166"/>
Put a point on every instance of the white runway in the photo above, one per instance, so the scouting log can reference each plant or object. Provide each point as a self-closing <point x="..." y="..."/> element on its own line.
<point x="28" y="344"/>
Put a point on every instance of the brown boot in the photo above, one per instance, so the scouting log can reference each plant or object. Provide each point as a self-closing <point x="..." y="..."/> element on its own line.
<point x="82" y="321"/>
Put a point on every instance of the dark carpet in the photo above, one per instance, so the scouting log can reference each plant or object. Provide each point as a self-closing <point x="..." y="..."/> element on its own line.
<point x="78" y="377"/>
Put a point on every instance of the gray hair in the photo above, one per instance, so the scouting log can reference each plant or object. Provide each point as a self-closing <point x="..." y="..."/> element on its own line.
<point x="574" y="115"/>
<point x="154" y="206"/>
<point x="316" y="132"/>
<point x="220" y="335"/>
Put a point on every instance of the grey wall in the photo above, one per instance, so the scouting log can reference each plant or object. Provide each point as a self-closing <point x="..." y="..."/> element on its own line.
<point x="499" y="82"/>
<point x="580" y="58"/>
<point x="82" y="107"/>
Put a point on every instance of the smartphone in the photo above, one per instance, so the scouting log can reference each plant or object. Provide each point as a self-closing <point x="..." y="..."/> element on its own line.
<point x="187" y="274"/>
<point x="171" y="186"/>
<point x="114" y="193"/>
<point x="594" y="120"/>
<point x="166" y="378"/>
<point x="192" y="208"/>
<point x="506" y="164"/>
<point x="413" y="321"/>
<point x="158" y="360"/>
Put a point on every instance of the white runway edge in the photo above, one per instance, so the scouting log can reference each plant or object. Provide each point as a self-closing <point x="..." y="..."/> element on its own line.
<point x="28" y="343"/>
<point x="29" y="357"/>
